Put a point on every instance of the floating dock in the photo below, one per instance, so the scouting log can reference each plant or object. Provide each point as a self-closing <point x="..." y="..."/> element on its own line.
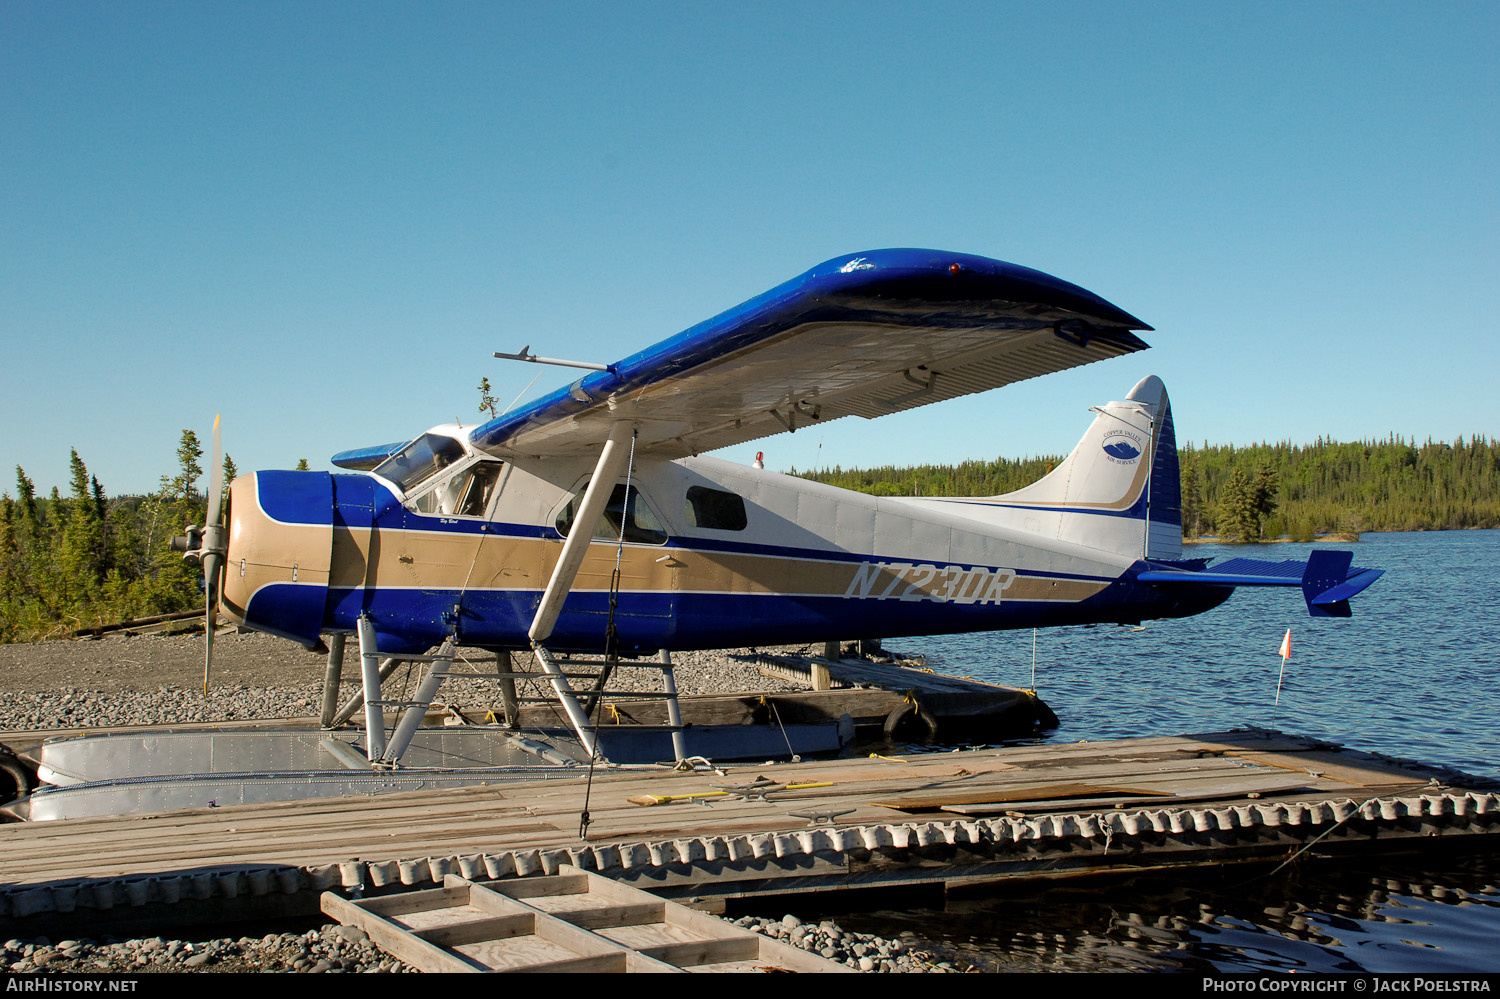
<point x="932" y="820"/>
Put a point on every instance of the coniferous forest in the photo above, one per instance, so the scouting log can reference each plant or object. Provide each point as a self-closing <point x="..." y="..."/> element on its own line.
<point x="1265" y="491"/>
<point x="80" y="560"/>
<point x="83" y="559"/>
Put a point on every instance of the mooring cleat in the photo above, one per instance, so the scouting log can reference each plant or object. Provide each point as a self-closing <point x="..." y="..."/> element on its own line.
<point x="821" y="816"/>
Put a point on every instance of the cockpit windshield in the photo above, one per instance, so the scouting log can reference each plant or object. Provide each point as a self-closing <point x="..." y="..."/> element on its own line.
<point x="420" y="460"/>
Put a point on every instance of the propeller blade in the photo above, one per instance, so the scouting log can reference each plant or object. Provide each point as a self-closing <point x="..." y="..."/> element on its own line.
<point x="213" y="554"/>
<point x="216" y="479"/>
<point x="210" y="600"/>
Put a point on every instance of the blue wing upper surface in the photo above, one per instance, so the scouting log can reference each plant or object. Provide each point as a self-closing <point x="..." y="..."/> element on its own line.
<point x="865" y="335"/>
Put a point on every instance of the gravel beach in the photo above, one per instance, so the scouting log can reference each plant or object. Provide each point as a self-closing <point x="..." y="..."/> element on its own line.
<point x="151" y="680"/>
<point x="141" y="680"/>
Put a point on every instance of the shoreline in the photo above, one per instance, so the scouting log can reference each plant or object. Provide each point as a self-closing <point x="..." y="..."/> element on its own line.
<point x="1338" y="538"/>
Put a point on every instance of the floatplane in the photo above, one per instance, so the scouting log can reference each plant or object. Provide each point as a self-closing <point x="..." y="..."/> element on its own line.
<point x="592" y="520"/>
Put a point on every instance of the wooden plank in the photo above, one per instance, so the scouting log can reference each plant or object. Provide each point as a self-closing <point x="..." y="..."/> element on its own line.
<point x="1109" y="803"/>
<point x="415" y="901"/>
<point x="689" y="953"/>
<point x="1034" y="792"/>
<point x="1348" y="768"/>
<point x="532" y="887"/>
<point x="435" y="920"/>
<point x="596" y="916"/>
<point x="644" y="936"/>
<point x="533" y="955"/>
<point x="401" y="945"/>
<point x="1023" y="787"/>
<point x="478" y="930"/>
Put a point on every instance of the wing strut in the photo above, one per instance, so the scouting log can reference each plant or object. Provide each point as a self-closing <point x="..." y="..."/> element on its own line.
<point x="611" y="459"/>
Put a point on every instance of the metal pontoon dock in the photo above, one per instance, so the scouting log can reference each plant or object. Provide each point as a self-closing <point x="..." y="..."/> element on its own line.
<point x="933" y="819"/>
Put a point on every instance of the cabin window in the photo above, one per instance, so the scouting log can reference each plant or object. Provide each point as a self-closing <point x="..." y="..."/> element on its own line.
<point x="420" y="460"/>
<point x="714" y="509"/>
<point x="641" y="525"/>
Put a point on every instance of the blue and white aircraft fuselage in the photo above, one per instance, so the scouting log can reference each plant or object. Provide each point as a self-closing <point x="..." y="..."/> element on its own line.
<point x="473" y="534"/>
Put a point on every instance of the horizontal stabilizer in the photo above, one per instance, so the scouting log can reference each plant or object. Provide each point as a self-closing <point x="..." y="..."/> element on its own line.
<point x="1334" y="602"/>
<point x="1327" y="579"/>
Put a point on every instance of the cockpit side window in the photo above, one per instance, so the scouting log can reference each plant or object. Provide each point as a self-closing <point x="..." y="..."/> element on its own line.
<point x="714" y="509"/>
<point x="641" y="525"/>
<point x="478" y="487"/>
<point x="420" y="460"/>
<point x="465" y="494"/>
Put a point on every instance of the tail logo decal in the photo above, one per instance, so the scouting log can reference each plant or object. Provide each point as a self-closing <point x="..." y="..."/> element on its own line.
<point x="1122" y="446"/>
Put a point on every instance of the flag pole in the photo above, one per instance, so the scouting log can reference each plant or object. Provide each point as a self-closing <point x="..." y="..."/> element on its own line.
<point x="1286" y="653"/>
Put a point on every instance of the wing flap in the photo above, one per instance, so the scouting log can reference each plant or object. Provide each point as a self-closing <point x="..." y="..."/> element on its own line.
<point x="866" y="336"/>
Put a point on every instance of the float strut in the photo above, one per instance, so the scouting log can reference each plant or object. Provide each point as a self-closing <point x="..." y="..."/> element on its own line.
<point x="369" y="662"/>
<point x="611" y="460"/>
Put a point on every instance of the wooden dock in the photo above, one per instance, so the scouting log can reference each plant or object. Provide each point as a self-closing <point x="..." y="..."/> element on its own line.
<point x="936" y="819"/>
<point x="879" y="700"/>
<point x="572" y="921"/>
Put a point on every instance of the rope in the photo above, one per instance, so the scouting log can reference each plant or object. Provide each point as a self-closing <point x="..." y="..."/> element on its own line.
<point x="611" y="633"/>
<point x="785" y="738"/>
<point x="611" y="638"/>
<point x="1357" y="810"/>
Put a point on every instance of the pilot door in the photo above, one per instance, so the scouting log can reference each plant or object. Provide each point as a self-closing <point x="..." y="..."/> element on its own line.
<point x="449" y="553"/>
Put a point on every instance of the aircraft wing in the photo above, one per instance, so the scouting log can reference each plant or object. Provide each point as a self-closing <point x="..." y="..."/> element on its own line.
<point x="862" y="335"/>
<point x="1327" y="578"/>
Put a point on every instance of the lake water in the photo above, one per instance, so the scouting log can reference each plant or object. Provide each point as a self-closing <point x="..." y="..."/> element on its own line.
<point x="1412" y="675"/>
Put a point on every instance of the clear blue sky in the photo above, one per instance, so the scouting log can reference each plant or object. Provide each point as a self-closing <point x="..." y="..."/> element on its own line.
<point x="322" y="218"/>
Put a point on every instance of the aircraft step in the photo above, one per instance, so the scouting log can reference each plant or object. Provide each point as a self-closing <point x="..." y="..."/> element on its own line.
<point x="572" y="921"/>
<point x="577" y="704"/>
<point x="645" y="695"/>
<point x="615" y="663"/>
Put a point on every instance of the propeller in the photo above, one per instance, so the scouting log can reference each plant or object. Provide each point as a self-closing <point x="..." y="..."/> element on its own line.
<point x="207" y="548"/>
<point x="215" y="544"/>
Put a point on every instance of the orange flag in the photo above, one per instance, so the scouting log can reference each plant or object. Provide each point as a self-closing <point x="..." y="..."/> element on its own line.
<point x="1286" y="646"/>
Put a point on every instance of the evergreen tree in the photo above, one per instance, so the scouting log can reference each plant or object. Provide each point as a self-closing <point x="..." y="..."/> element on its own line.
<point x="1263" y="498"/>
<point x="229" y="472"/>
<point x="82" y="543"/>
<point x="188" y="453"/>
<point x="1192" y="496"/>
<point x="487" y="403"/>
<point x="1237" y="517"/>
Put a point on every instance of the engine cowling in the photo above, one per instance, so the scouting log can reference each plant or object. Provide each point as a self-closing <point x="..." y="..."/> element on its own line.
<point x="280" y="546"/>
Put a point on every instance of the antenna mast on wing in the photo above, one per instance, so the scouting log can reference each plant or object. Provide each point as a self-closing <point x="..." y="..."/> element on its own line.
<point x="524" y="355"/>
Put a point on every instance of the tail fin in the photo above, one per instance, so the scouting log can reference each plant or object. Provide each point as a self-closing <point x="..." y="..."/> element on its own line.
<point x="1119" y="491"/>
